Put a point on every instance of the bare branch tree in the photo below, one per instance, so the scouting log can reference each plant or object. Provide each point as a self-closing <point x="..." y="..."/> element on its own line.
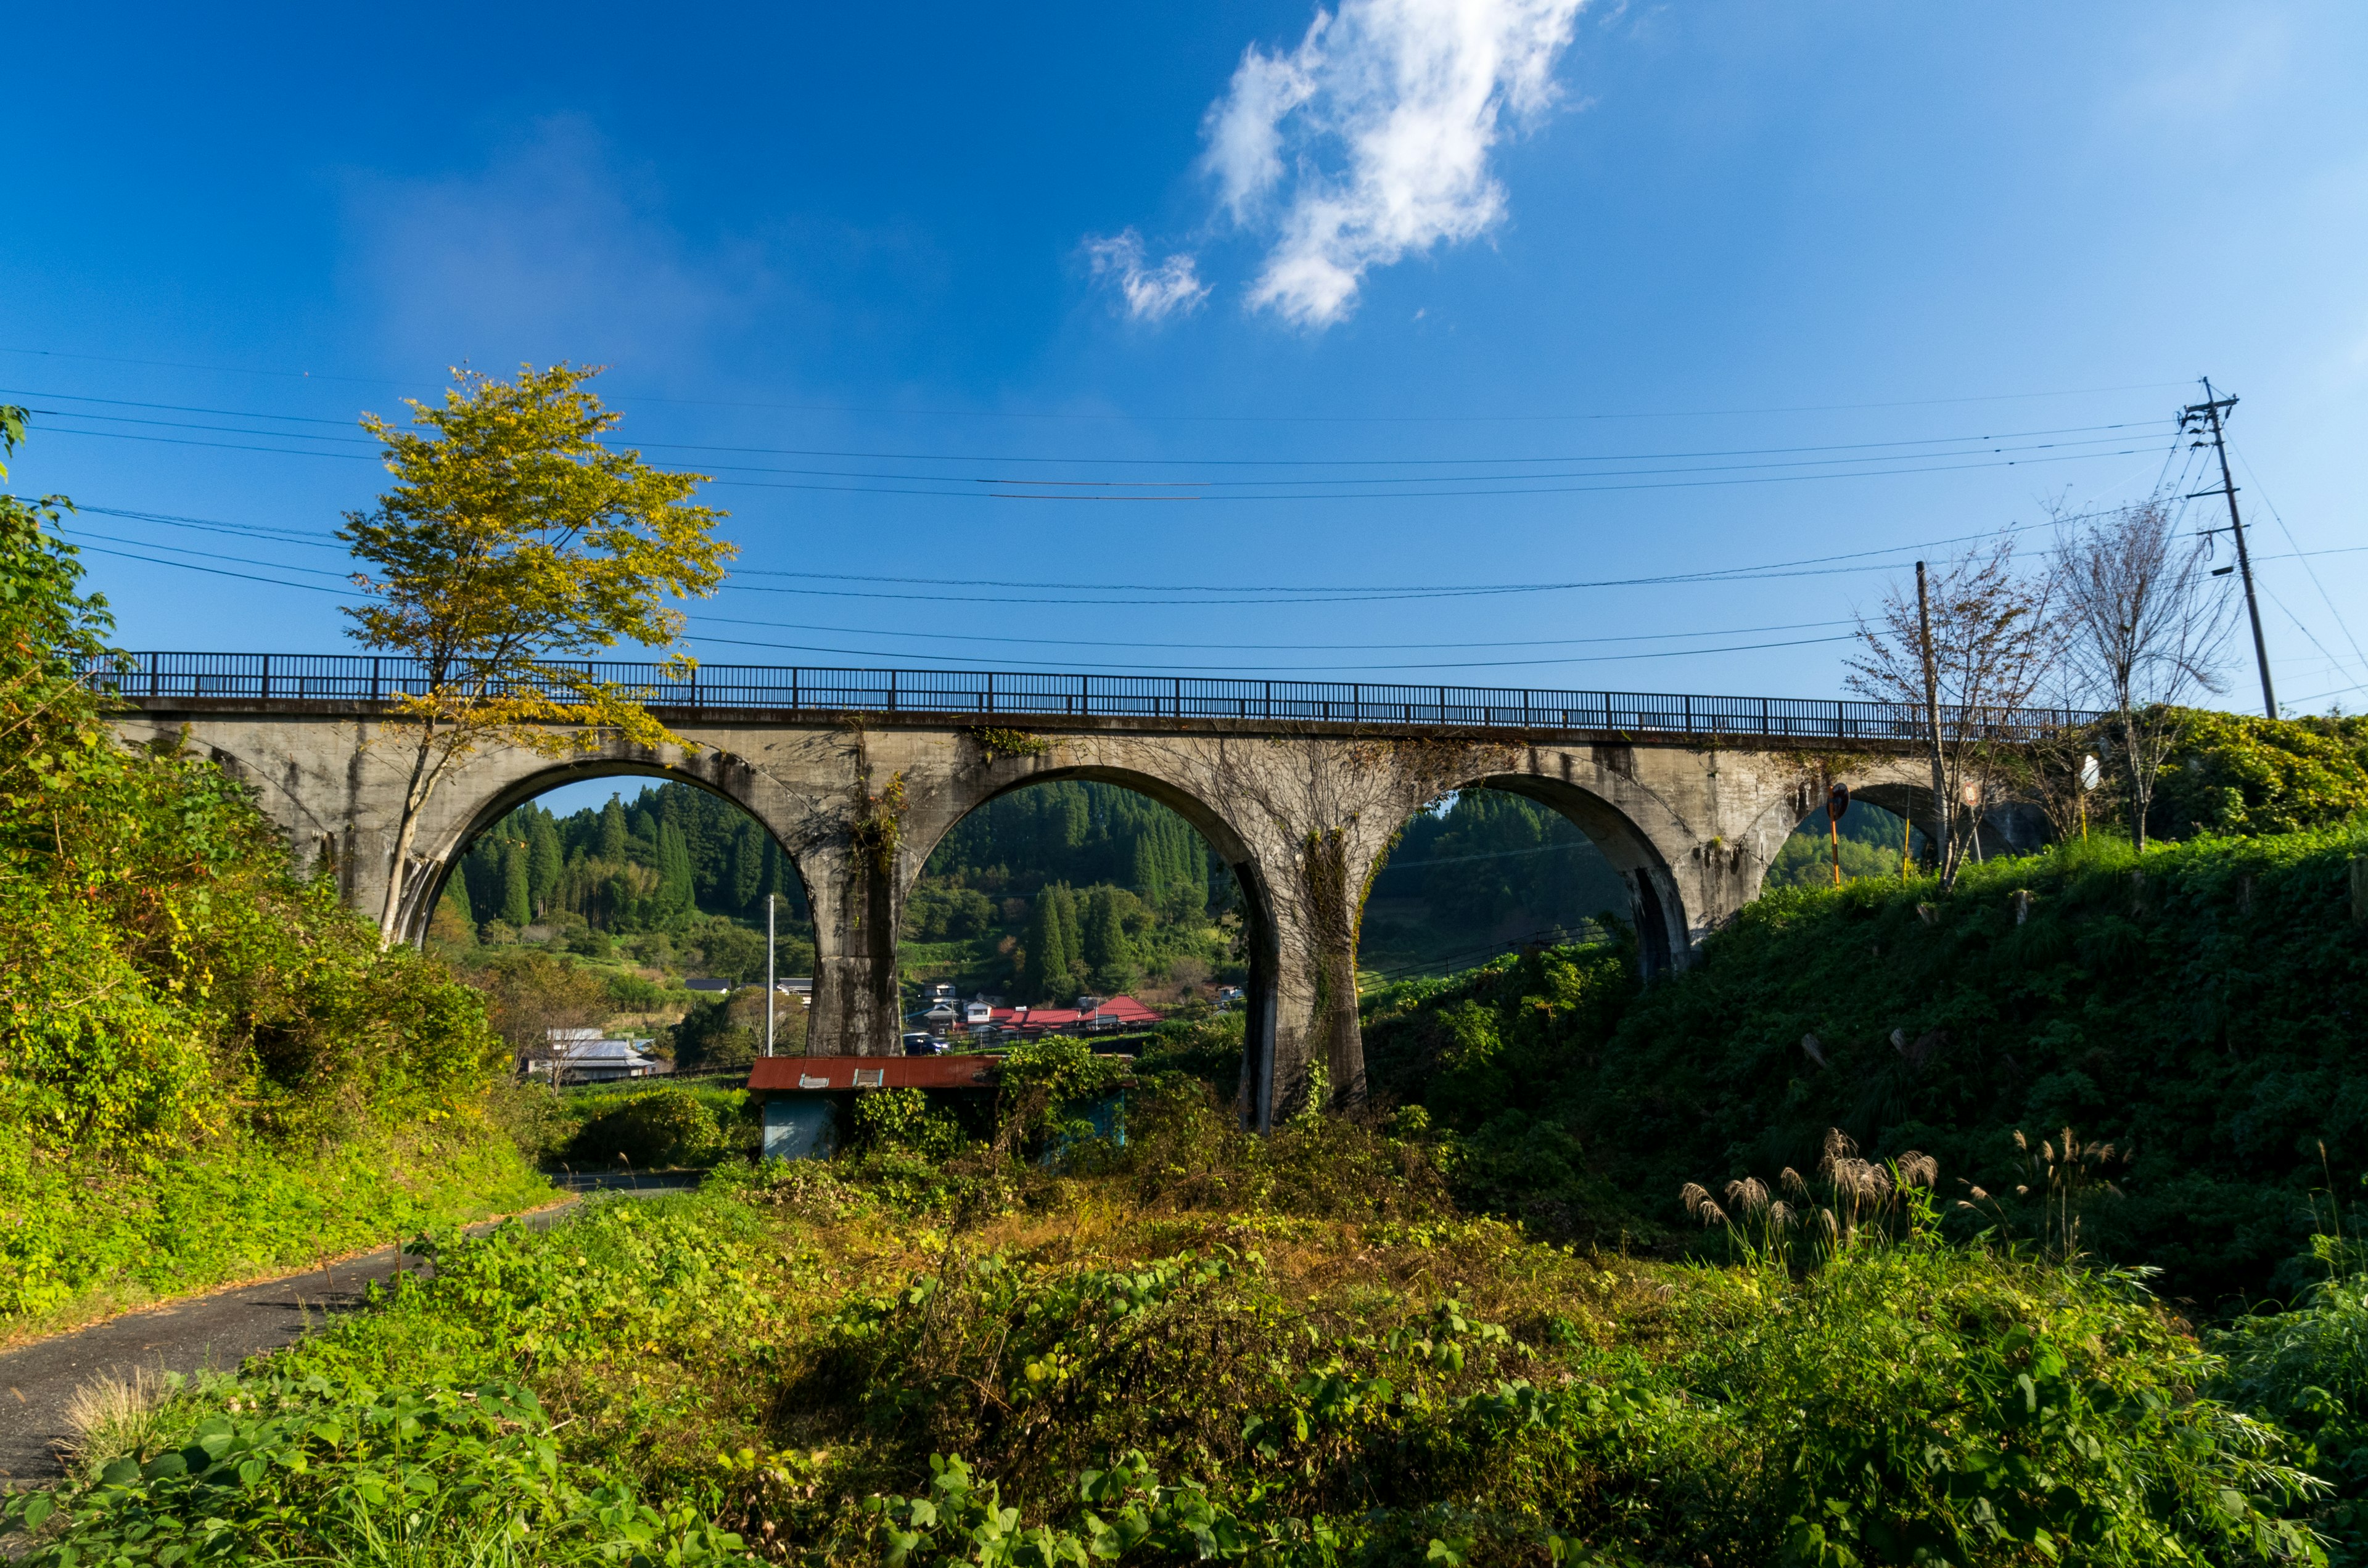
<point x="1993" y="641"/>
<point x="2145" y="632"/>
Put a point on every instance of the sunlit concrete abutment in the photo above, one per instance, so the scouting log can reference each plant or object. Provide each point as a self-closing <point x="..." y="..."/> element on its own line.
<point x="1303" y="810"/>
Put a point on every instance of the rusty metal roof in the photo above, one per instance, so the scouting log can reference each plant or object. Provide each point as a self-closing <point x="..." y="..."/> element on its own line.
<point x="818" y="1073"/>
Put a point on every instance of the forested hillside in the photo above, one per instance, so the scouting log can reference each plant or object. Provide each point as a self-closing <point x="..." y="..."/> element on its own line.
<point x="1066" y="888"/>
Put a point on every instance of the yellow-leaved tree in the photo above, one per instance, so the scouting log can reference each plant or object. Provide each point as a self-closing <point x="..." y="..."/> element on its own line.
<point x="515" y="544"/>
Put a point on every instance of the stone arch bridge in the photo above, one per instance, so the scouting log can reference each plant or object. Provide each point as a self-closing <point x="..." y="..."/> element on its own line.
<point x="1299" y="787"/>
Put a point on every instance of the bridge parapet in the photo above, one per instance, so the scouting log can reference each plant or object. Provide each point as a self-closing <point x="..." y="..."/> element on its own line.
<point x="726" y="690"/>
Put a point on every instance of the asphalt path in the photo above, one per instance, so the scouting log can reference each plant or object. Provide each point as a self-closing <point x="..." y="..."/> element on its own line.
<point x="215" y="1331"/>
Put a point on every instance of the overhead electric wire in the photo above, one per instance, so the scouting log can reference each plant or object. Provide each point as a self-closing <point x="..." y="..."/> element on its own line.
<point x="1262" y="669"/>
<point x="2329" y="600"/>
<point x="1260" y="647"/>
<point x="1200" y="490"/>
<point x="1159" y="418"/>
<point x="1112" y="461"/>
<point x="218" y="572"/>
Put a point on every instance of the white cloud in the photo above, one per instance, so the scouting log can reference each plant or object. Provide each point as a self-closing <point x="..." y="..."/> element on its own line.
<point x="1153" y="293"/>
<point x="1371" y="140"/>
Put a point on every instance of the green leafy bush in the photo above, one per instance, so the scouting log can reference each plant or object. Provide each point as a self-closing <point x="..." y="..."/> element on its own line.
<point x="658" y="1128"/>
<point x="307" y="1468"/>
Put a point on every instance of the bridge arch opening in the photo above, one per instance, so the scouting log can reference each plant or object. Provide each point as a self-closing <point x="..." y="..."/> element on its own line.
<point x="631" y="899"/>
<point x="1888" y="824"/>
<point x="1509" y="861"/>
<point x="1875" y="841"/>
<point x="1092" y="901"/>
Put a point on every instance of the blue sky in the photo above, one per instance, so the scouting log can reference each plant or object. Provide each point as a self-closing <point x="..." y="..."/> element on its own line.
<point x="1061" y="297"/>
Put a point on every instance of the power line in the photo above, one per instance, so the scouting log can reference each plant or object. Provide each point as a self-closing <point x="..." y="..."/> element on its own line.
<point x="1159" y="418"/>
<point x="1970" y="444"/>
<point x="1057" y="460"/>
<point x="2341" y="625"/>
<point x="1260" y="669"/>
<point x="1262" y="647"/>
<point x="1199" y="491"/>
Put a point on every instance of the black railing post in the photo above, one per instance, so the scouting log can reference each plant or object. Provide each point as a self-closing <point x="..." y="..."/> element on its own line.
<point x="1269" y="702"/>
<point x="891" y="692"/>
<point x="990" y="691"/>
<point x="374" y="677"/>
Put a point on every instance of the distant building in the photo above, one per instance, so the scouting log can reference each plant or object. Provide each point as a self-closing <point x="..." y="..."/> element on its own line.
<point x="1229" y="996"/>
<point x="589" y="1056"/>
<point x="1093" y="1014"/>
<point x="711" y="986"/>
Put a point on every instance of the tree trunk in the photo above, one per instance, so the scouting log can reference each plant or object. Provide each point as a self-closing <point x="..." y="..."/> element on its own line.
<point x="407" y="831"/>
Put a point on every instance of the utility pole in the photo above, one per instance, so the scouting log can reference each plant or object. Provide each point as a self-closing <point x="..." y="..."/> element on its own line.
<point x="2209" y="413"/>
<point x="1836" y="803"/>
<point x="1942" y="807"/>
<point x="770" y="991"/>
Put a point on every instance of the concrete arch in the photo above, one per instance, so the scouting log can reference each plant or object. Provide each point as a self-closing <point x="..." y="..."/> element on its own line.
<point x="1657" y="909"/>
<point x="446" y="856"/>
<point x="1009" y="777"/>
<point x="1904" y="787"/>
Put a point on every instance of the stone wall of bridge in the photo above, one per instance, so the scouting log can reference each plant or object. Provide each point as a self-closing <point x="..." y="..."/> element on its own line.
<point x="1303" y="814"/>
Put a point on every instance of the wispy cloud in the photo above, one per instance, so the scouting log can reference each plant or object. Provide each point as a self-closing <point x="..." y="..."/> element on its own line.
<point x="1371" y="140"/>
<point x="1151" y="293"/>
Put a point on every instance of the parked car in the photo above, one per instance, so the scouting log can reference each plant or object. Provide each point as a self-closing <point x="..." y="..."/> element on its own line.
<point x="919" y="1044"/>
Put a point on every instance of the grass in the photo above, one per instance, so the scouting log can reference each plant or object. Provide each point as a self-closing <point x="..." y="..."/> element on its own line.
<point x="83" y="1238"/>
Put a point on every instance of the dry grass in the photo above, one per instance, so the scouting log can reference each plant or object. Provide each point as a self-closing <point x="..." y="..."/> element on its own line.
<point x="114" y="1417"/>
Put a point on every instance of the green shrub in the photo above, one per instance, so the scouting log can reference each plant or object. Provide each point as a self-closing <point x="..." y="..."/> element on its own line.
<point x="2307" y="1370"/>
<point x="280" y="1468"/>
<point x="658" y="1128"/>
<point x="903" y="1119"/>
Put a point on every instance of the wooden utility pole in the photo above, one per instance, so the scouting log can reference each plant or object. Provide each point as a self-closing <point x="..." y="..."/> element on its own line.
<point x="2208" y="413"/>
<point x="1942" y="807"/>
<point x="1837" y="802"/>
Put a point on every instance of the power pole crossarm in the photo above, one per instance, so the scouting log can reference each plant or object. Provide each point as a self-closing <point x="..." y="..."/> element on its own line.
<point x="2210" y="411"/>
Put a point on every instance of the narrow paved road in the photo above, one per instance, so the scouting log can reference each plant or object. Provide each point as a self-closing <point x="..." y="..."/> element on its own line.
<point x="214" y="1331"/>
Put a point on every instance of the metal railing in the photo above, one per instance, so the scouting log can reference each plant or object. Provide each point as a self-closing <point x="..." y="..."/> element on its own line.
<point x="983" y="695"/>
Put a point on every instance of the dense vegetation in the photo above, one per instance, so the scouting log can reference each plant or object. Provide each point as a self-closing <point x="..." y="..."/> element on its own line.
<point x="1201" y="1346"/>
<point x="2201" y="1012"/>
<point x="207" y="1066"/>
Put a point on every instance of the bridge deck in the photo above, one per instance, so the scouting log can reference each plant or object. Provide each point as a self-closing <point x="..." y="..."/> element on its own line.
<point x="976" y="696"/>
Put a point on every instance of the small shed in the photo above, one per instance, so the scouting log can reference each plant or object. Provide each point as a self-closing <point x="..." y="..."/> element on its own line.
<point x="805" y="1098"/>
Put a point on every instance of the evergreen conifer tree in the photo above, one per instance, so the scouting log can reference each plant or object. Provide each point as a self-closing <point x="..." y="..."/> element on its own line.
<point x="675" y="891"/>
<point x="1106" y="956"/>
<point x="1047" y="968"/>
<point x="612" y="832"/>
<point x="518" y="901"/>
<point x="544" y="859"/>
<point x="747" y="864"/>
<point x="1150" y="871"/>
<point x="1065" y="909"/>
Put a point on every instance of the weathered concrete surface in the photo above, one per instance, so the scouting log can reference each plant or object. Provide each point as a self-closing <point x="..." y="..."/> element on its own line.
<point x="1302" y="813"/>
